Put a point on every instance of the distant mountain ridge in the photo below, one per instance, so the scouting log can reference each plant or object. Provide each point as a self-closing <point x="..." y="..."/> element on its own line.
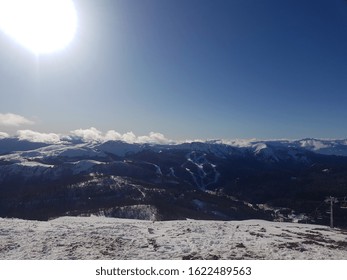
<point x="323" y="146"/>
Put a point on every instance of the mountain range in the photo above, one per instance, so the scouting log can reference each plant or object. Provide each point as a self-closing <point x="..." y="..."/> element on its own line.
<point x="277" y="180"/>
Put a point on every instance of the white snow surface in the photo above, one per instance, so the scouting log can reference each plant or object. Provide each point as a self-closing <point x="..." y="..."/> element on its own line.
<point x="110" y="238"/>
<point x="84" y="165"/>
<point x="62" y="150"/>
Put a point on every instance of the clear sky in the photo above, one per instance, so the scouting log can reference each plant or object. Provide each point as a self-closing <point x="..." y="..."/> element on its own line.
<point x="188" y="69"/>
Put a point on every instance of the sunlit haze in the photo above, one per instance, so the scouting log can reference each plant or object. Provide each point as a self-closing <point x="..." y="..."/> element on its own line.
<point x="42" y="26"/>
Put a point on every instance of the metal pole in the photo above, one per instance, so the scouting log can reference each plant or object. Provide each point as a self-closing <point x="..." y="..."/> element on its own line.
<point x="331" y="212"/>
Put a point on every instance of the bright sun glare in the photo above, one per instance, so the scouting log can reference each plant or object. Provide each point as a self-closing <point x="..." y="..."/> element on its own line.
<point x="42" y="26"/>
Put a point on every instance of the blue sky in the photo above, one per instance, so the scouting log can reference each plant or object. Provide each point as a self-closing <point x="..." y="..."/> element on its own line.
<point x="188" y="69"/>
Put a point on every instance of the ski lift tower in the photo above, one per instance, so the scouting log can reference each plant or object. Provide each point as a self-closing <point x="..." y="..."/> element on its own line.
<point x="331" y="200"/>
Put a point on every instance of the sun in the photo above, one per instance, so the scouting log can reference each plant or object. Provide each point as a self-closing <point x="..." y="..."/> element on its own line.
<point x="42" y="26"/>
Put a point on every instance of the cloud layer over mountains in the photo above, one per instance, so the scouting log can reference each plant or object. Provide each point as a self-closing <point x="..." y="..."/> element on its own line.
<point x="88" y="135"/>
<point x="93" y="135"/>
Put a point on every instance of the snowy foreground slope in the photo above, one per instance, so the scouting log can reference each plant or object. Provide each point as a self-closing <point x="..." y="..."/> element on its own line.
<point x="109" y="238"/>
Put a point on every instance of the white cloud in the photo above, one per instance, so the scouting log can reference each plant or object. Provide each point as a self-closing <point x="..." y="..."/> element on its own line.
<point x="4" y="135"/>
<point x="113" y="135"/>
<point x="129" y="137"/>
<point x="33" y="136"/>
<point x="13" y="120"/>
<point x="94" y="135"/>
<point x="154" y="137"/>
<point x="88" y="135"/>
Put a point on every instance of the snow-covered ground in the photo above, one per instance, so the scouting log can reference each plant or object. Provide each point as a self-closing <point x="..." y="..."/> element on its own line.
<point x="109" y="238"/>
